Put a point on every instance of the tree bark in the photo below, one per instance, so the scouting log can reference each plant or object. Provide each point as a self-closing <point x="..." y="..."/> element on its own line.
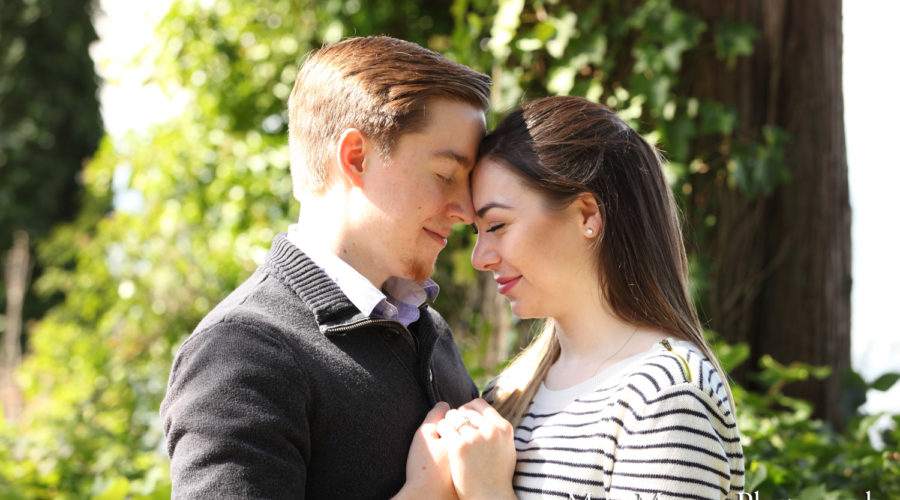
<point x="17" y="272"/>
<point x="782" y="278"/>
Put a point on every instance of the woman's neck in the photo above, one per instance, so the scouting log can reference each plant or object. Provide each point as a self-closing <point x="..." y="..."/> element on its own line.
<point x="591" y="333"/>
<point x="591" y="339"/>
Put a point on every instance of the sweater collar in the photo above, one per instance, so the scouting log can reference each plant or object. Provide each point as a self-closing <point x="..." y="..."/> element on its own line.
<point x="320" y="293"/>
<point x="398" y="299"/>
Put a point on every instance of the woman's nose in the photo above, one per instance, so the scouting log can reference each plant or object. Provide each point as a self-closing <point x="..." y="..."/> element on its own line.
<point x="484" y="257"/>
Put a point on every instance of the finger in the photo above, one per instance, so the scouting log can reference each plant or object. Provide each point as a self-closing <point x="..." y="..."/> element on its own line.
<point x="429" y="425"/>
<point x="437" y="413"/>
<point x="458" y="418"/>
<point x="488" y="413"/>
<point x="468" y="433"/>
<point x="477" y="404"/>
<point x="473" y="418"/>
<point x="448" y="432"/>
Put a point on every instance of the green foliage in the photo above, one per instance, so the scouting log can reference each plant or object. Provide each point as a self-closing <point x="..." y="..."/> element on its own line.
<point x="760" y="168"/>
<point x="173" y="220"/>
<point x="47" y="130"/>
<point x="789" y="455"/>
<point x="734" y="40"/>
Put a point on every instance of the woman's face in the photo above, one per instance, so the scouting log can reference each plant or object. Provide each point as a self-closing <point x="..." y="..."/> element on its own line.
<point x="540" y="257"/>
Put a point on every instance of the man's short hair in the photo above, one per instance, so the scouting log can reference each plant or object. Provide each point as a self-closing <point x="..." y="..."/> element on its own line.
<point x="378" y="85"/>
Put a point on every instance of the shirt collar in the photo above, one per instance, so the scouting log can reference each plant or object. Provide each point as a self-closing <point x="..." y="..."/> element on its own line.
<point x="405" y="296"/>
<point x="400" y="299"/>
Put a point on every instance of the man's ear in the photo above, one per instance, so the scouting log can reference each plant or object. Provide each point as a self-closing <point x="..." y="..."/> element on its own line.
<point x="351" y="155"/>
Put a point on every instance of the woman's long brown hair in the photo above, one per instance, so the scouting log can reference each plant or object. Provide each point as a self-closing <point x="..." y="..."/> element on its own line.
<point x="563" y="147"/>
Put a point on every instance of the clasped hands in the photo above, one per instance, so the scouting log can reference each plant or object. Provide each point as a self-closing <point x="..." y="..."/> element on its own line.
<point x="465" y="453"/>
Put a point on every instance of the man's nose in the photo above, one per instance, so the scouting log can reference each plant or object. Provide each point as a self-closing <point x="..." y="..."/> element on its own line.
<point x="460" y="208"/>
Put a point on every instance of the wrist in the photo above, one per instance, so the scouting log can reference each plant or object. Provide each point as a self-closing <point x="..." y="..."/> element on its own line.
<point x="412" y="490"/>
<point x="405" y="493"/>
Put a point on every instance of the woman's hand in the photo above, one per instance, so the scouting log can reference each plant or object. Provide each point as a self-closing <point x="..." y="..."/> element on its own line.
<point x="480" y="448"/>
<point x="427" y="467"/>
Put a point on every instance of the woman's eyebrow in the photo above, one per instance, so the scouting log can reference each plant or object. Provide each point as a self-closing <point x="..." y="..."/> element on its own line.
<point x="483" y="210"/>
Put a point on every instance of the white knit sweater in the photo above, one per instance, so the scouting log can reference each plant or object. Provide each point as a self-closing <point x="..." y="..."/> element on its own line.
<point x="656" y="423"/>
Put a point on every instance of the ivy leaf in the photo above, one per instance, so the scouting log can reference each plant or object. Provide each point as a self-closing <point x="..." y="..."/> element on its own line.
<point x="854" y="390"/>
<point x="733" y="40"/>
<point x="885" y="382"/>
<point x="817" y="492"/>
<point x="731" y="356"/>
<point x="760" y="168"/>
<point x="756" y="474"/>
<point x="717" y="118"/>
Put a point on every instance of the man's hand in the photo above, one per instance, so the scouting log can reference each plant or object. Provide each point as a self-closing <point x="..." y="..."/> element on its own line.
<point x="427" y="468"/>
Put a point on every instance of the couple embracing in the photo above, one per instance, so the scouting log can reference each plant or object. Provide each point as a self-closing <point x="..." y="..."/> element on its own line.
<point x="327" y="374"/>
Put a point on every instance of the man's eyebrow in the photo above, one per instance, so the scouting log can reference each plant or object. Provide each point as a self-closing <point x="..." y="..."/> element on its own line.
<point x="462" y="160"/>
<point x="483" y="210"/>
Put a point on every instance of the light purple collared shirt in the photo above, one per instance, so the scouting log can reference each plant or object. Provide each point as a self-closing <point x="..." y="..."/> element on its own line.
<point x="400" y="299"/>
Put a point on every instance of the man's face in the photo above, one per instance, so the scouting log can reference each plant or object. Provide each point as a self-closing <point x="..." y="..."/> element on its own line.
<point x="421" y="190"/>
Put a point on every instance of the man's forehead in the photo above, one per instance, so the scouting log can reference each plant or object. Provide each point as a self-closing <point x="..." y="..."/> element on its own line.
<point x="457" y="157"/>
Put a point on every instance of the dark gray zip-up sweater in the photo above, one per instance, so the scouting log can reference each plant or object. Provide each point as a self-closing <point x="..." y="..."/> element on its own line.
<point x="285" y="390"/>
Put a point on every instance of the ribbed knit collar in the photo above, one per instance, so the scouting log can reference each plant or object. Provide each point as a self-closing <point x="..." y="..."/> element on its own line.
<point x="322" y="295"/>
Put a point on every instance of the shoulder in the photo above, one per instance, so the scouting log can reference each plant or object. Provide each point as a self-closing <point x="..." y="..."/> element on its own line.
<point x="676" y="394"/>
<point x="259" y="327"/>
<point x="674" y="412"/>
<point x="230" y="354"/>
<point x="263" y="306"/>
<point x="239" y="332"/>
<point x="677" y="365"/>
<point x="676" y="382"/>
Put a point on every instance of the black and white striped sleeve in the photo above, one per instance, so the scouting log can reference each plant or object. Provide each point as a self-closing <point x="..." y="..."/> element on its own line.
<point x="679" y="442"/>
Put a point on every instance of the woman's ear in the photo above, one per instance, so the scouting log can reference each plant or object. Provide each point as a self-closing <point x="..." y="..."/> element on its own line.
<point x="351" y="156"/>
<point x="590" y="215"/>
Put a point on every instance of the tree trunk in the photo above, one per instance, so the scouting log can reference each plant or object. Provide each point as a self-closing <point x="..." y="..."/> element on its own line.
<point x="17" y="272"/>
<point x="782" y="279"/>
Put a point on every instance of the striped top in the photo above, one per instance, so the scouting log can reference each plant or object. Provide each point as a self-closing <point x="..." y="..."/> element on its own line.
<point x="658" y="422"/>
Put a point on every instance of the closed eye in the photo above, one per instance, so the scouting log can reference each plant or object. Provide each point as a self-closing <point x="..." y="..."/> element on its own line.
<point x="494" y="228"/>
<point x="445" y="180"/>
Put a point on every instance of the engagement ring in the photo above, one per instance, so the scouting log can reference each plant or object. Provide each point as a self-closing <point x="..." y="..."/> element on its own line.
<point x="465" y="420"/>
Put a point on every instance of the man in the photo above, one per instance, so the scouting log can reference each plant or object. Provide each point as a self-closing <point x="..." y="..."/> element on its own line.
<point x="311" y="379"/>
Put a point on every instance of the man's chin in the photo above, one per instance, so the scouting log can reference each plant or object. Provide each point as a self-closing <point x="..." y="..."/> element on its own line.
<point x="419" y="271"/>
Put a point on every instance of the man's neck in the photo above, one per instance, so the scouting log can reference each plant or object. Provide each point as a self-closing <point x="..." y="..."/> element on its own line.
<point x="321" y="220"/>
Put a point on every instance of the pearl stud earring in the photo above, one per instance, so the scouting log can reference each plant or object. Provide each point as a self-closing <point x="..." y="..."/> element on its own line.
<point x="589" y="231"/>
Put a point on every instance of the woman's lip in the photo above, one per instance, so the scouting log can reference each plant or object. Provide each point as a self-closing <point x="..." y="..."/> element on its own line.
<point x="440" y="240"/>
<point x="504" y="285"/>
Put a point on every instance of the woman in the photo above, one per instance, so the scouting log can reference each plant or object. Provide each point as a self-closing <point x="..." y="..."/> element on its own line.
<point x="619" y="395"/>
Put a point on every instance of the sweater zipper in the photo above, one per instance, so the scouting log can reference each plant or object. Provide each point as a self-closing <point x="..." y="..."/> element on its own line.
<point x="687" y="370"/>
<point x="365" y="322"/>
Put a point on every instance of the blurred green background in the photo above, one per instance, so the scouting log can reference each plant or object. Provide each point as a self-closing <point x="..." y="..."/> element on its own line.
<point x="116" y="245"/>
